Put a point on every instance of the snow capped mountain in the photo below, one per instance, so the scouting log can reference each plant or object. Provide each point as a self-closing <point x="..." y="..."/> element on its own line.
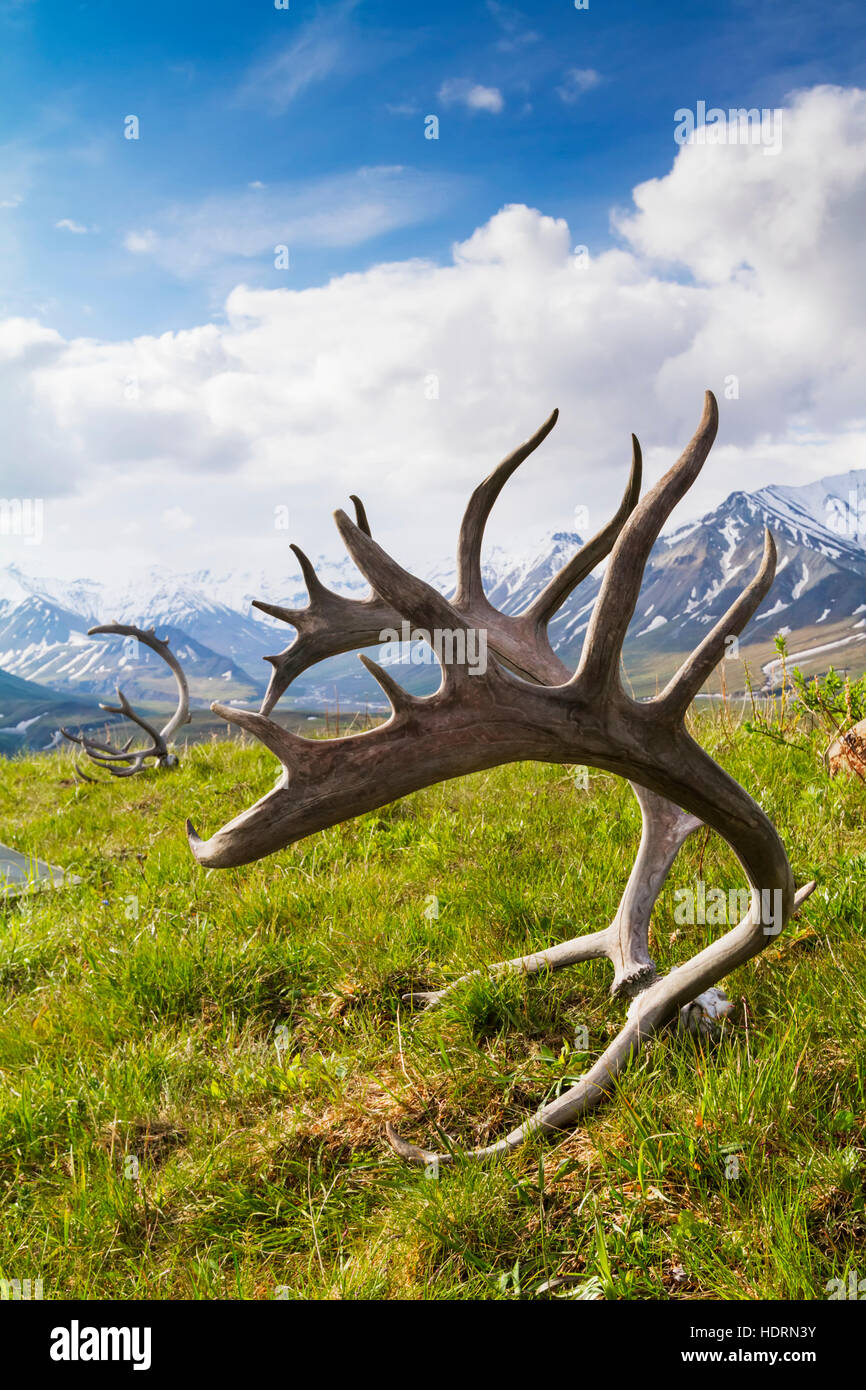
<point x="694" y="573"/>
<point x="44" y="623"/>
<point x="837" y="504"/>
<point x="819" y="593"/>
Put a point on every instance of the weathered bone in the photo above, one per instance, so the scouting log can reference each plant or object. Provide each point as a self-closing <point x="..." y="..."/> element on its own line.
<point x="477" y="721"/>
<point x="126" y="761"/>
<point x="648" y="1014"/>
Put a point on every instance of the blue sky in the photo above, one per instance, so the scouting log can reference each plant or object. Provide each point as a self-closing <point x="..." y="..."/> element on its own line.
<point x="324" y="106"/>
<point x="167" y="388"/>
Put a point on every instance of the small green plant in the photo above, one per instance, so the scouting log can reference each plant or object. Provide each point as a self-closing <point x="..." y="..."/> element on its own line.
<point x="838" y="702"/>
<point x="774" y="718"/>
<point x="802" y="705"/>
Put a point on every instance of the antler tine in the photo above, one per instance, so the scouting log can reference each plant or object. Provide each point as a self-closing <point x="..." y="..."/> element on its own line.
<point x="360" y="514"/>
<point x="315" y="587"/>
<point x="79" y="772"/>
<point x="410" y="596"/>
<point x="329" y="625"/>
<point x="130" y="770"/>
<point x="95" y="743"/>
<point x="135" y="764"/>
<point x="584" y="561"/>
<point x="124" y="707"/>
<point x="470" y="589"/>
<point x="682" y="688"/>
<point x="399" y="699"/>
<point x="620" y="588"/>
<point x="281" y="742"/>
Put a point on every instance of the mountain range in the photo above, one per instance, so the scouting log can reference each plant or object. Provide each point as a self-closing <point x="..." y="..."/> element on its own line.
<point x="818" y="601"/>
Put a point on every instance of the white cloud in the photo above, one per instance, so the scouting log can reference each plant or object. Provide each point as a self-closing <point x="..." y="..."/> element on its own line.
<point x="140" y="243"/>
<point x="68" y="225"/>
<point x="341" y="210"/>
<point x="459" y="91"/>
<point x="775" y="245"/>
<point x="575" y="82"/>
<point x="323" y="48"/>
<point x="732" y="265"/>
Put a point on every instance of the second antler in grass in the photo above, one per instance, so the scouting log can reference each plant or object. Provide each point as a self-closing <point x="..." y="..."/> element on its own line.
<point x="127" y="761"/>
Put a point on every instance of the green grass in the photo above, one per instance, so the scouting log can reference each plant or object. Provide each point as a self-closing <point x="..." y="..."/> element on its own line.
<point x="237" y="1036"/>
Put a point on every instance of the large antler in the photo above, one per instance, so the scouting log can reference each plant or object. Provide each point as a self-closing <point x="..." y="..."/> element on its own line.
<point x="332" y="624"/>
<point x="122" y="762"/>
<point x="477" y="720"/>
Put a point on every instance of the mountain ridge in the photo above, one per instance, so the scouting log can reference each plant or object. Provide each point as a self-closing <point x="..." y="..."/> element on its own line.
<point x="694" y="572"/>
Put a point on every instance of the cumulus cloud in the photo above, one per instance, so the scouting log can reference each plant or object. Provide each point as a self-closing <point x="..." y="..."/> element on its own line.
<point x="67" y="224"/>
<point x="407" y="381"/>
<point x="459" y="91"/>
<point x="773" y="246"/>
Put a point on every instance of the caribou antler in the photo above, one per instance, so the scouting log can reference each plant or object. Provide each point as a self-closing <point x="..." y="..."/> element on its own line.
<point x="479" y="719"/>
<point x="332" y="624"/>
<point x="122" y="762"/>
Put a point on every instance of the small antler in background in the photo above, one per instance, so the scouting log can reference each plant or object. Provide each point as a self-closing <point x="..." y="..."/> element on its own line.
<point x="126" y="761"/>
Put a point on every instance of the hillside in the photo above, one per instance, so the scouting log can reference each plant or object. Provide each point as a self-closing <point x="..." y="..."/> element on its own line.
<point x="29" y="713"/>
